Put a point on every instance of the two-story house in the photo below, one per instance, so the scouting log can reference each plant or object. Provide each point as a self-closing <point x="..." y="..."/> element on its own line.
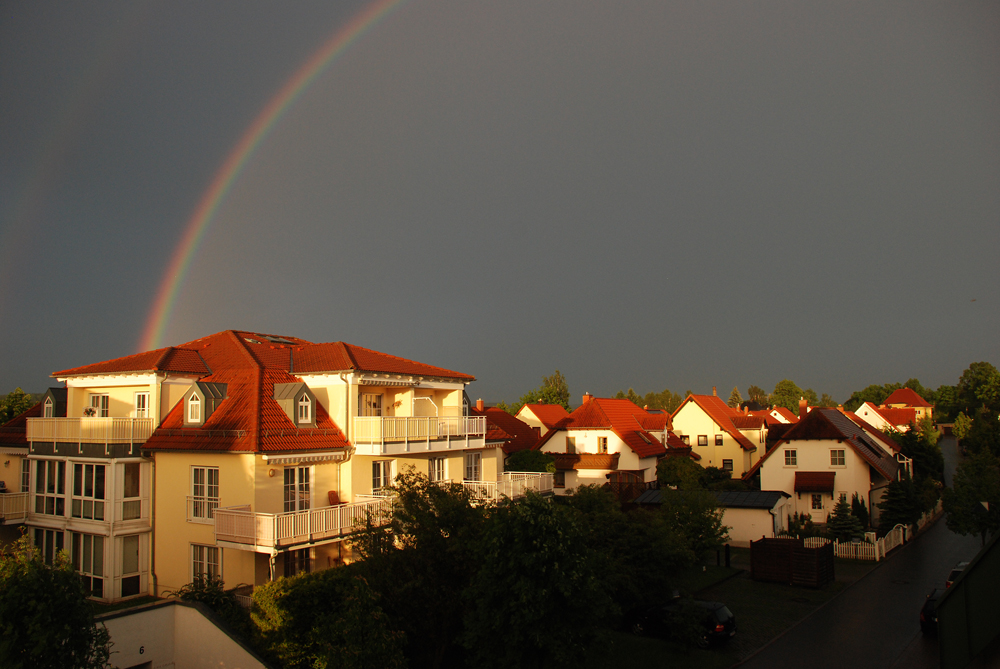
<point x="720" y="435"/>
<point x="544" y="417"/>
<point x="898" y="419"/>
<point x="907" y="398"/>
<point x="254" y="454"/>
<point x="826" y="457"/>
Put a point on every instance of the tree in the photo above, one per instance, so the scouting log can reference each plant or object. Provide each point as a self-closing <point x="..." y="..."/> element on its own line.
<point x="826" y="401"/>
<point x="979" y="386"/>
<point x="540" y="583"/>
<point x="557" y="384"/>
<point x="14" y="404"/>
<point x="531" y="461"/>
<point x="735" y="399"/>
<point x="757" y="394"/>
<point x="984" y="433"/>
<point x="860" y="510"/>
<point x="787" y="394"/>
<point x="875" y="394"/>
<point x="46" y="619"/>
<point x="977" y="480"/>
<point x="554" y="390"/>
<point x="900" y="505"/>
<point x="664" y="401"/>
<point x="962" y="425"/>
<point x="696" y="516"/>
<point x="843" y="524"/>
<point x="211" y="591"/>
<point x="679" y="472"/>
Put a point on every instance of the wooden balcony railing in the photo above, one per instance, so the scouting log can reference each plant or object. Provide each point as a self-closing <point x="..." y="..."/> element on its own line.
<point x="13" y="507"/>
<point x="91" y="430"/>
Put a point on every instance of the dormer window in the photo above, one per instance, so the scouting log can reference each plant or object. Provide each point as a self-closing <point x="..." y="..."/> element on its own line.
<point x="194" y="409"/>
<point x="48" y="409"/>
<point x="305" y="409"/>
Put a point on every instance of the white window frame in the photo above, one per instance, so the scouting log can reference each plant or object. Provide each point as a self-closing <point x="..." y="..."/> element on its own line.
<point x="381" y="474"/>
<point x="48" y="408"/>
<point x="50" y="487"/>
<point x="817" y="497"/>
<point x="473" y="466"/>
<point x="194" y="409"/>
<point x="602" y="445"/>
<point x="703" y="440"/>
<point x="297" y="488"/>
<point x="719" y="440"/>
<point x="838" y="457"/>
<point x="437" y="469"/>
<point x="727" y="465"/>
<point x="370" y="404"/>
<point x="88" y="559"/>
<point x="92" y="506"/>
<point x="305" y="409"/>
<point x="49" y="542"/>
<point x="204" y="493"/>
<point x="791" y="457"/>
<point x="101" y="402"/>
<point x="141" y="404"/>
<point x="205" y="561"/>
<point x="25" y="475"/>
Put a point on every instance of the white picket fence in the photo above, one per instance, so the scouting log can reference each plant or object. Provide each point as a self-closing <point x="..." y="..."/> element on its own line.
<point x="870" y="549"/>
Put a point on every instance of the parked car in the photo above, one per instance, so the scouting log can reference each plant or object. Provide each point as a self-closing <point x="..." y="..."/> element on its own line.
<point x="955" y="573"/>
<point x="717" y="624"/>
<point x="928" y="614"/>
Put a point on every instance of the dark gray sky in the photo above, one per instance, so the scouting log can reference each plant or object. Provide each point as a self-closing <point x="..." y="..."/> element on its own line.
<point x="650" y="194"/>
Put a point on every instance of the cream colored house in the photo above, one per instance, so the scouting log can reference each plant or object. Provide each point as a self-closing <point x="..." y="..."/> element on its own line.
<point x="907" y="398"/>
<point x="825" y="457"/>
<point x="720" y="435"/>
<point x="544" y="417"/>
<point x="255" y="454"/>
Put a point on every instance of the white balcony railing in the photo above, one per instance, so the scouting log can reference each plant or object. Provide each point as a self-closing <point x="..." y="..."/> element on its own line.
<point x="91" y="430"/>
<point x="13" y="507"/>
<point x="201" y="509"/>
<point x="377" y="429"/>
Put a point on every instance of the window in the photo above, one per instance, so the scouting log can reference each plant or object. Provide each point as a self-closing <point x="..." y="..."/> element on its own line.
<point x="48" y="409"/>
<point x="371" y="405"/>
<point x="49" y="542"/>
<point x="718" y="440"/>
<point x="50" y="488"/>
<point x="570" y="446"/>
<point x="130" y="565"/>
<point x="837" y="457"/>
<point x="602" y="444"/>
<point x="88" y="559"/>
<point x="296" y="489"/>
<point x="817" y="500"/>
<point x="88" y="491"/>
<point x="381" y="474"/>
<point x="703" y="440"/>
<point x="727" y="465"/>
<point x="473" y="466"/>
<point x="142" y="405"/>
<point x="131" y="505"/>
<point x="686" y="439"/>
<point x="559" y="480"/>
<point x="205" y="561"/>
<point x="305" y="409"/>
<point x="25" y="475"/>
<point x="791" y="458"/>
<point x="99" y="404"/>
<point x="297" y="562"/>
<point x="436" y="469"/>
<point x="194" y="409"/>
<point x="204" y="493"/>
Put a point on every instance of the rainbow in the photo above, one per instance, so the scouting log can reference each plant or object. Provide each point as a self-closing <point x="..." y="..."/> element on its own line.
<point x="194" y="232"/>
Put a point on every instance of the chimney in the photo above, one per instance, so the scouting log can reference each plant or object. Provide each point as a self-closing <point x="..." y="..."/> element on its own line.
<point x="803" y="407"/>
<point x="645" y="407"/>
<point x="746" y="410"/>
<point x="479" y="404"/>
<point x="714" y="393"/>
<point x="587" y="397"/>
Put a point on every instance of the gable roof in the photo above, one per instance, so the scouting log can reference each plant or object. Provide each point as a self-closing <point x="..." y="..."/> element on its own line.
<point x="14" y="433"/>
<point x="907" y="397"/>
<point x="548" y="414"/>
<point x="170" y="359"/>
<point x="787" y="414"/>
<point x="722" y="414"/>
<point x="631" y="423"/>
<point x="895" y="417"/>
<point x="823" y="423"/>
<point x="501" y="426"/>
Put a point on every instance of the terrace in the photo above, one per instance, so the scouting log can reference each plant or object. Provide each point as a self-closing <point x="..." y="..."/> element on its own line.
<point x="90" y="430"/>
<point x="381" y="435"/>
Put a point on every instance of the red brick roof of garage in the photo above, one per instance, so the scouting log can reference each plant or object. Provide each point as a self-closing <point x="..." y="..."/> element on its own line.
<point x="908" y="397"/>
<point x="814" y="481"/>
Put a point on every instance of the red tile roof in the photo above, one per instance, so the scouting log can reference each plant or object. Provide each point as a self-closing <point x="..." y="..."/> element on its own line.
<point x="898" y="417"/>
<point x="623" y="417"/>
<point x="907" y="397"/>
<point x="14" y="432"/>
<point x="722" y="414"/>
<point x="517" y="434"/>
<point x="549" y="414"/>
<point x="748" y="422"/>
<point x="787" y="414"/>
<point x="170" y="359"/>
<point x="814" y="481"/>
<point x="342" y="357"/>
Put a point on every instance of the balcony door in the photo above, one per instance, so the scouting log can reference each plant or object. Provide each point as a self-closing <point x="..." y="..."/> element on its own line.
<point x="142" y="405"/>
<point x="296" y="489"/>
<point x="371" y="404"/>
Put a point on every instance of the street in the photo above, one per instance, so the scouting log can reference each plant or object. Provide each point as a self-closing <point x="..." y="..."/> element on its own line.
<point x="875" y="623"/>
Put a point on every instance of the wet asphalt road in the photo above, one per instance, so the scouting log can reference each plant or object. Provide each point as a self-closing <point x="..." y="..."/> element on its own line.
<point x="875" y="622"/>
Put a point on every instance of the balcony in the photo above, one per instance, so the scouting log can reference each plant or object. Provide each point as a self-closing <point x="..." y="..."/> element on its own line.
<point x="91" y="430"/>
<point x="239" y="527"/>
<point x="13" y="507"/>
<point x="396" y="435"/>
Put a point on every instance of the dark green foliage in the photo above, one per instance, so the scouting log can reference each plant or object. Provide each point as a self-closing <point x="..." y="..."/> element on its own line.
<point x="947" y="406"/>
<point x="537" y="599"/>
<point x="735" y="399"/>
<point x="902" y="503"/>
<point x="984" y="433"/>
<point x="842" y="524"/>
<point x="210" y="591"/>
<point x="801" y="525"/>
<point x="962" y="426"/>
<point x="977" y="480"/>
<point x="530" y="461"/>
<point x="46" y="620"/>
<point x="324" y="620"/>
<point x="979" y="386"/>
<point x="787" y="394"/>
<point x="696" y="515"/>
<point x="554" y="390"/>
<point x="664" y="401"/>
<point x="860" y="510"/>
<point x="921" y="446"/>
<point x="875" y="394"/>
<point x="679" y="472"/>
<point x="14" y="404"/>
<point x="757" y="394"/>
